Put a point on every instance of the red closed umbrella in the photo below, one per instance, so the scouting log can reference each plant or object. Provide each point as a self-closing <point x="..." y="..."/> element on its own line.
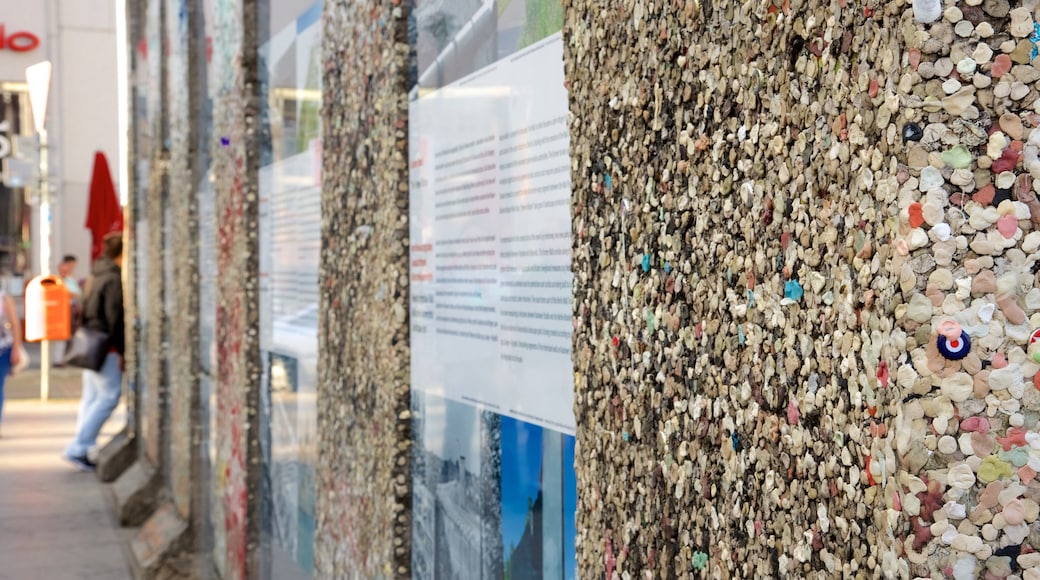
<point x="104" y="214"/>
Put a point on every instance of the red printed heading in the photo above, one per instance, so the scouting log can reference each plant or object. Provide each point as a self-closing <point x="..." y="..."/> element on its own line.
<point x="21" y="41"/>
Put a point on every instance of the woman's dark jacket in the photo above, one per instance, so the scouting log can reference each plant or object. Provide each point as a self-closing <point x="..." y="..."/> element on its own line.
<point x="103" y="306"/>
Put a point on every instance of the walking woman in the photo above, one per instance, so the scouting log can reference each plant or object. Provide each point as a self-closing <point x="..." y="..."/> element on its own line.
<point x="10" y="341"/>
<point x="103" y="312"/>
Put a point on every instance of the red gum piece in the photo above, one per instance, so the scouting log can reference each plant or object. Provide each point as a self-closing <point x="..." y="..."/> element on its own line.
<point x="931" y="499"/>
<point x="975" y="424"/>
<point x="1015" y="438"/>
<point x="922" y="533"/>
<point x="916" y="215"/>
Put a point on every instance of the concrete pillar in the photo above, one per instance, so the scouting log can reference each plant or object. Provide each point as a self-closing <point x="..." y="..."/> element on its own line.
<point x="234" y="88"/>
<point x="364" y="425"/>
<point x="136" y="490"/>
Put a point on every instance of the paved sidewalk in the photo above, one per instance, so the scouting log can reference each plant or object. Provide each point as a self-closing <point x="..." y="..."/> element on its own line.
<point x="55" y="523"/>
<point x="64" y="383"/>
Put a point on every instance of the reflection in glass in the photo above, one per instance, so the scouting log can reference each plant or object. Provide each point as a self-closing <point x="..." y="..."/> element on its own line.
<point x="290" y="244"/>
<point x="456" y="38"/>
<point x="211" y="534"/>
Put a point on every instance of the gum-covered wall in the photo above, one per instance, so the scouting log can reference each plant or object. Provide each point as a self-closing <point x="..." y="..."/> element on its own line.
<point x="232" y="84"/>
<point x="804" y="243"/>
<point x="777" y="206"/>
<point x="363" y="498"/>
<point x="183" y="99"/>
<point x="153" y="389"/>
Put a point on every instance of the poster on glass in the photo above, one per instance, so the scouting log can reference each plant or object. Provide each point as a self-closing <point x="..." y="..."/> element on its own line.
<point x="493" y="476"/>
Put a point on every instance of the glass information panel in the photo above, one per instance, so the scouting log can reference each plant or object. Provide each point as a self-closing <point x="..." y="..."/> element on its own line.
<point x="290" y="246"/>
<point x="493" y="477"/>
<point x="213" y="523"/>
<point x="213" y="536"/>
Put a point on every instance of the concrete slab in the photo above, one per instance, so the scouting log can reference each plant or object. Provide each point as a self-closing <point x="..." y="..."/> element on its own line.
<point x="134" y="494"/>
<point x="158" y="548"/>
<point x="117" y="456"/>
<point x="54" y="523"/>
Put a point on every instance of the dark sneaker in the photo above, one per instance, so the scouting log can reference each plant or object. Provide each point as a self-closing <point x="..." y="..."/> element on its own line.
<point x="81" y="463"/>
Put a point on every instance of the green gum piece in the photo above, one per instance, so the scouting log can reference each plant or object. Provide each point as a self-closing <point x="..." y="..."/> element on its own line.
<point x="992" y="469"/>
<point x="957" y="157"/>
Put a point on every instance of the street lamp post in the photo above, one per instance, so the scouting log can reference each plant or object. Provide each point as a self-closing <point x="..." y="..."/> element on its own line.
<point x="38" y="77"/>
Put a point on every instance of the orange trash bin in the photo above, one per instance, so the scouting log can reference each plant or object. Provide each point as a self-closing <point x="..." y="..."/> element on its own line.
<point x="48" y="314"/>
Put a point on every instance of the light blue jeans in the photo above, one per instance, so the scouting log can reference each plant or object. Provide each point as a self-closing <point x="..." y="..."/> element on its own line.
<point x="101" y="392"/>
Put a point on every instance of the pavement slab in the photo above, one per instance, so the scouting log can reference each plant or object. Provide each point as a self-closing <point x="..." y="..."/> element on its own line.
<point x="54" y="521"/>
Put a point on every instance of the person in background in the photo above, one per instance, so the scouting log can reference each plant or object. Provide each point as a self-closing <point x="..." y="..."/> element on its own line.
<point x="65" y="271"/>
<point x="102" y="311"/>
<point x="10" y="340"/>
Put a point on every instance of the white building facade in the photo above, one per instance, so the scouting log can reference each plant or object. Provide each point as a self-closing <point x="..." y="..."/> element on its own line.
<point x="79" y="38"/>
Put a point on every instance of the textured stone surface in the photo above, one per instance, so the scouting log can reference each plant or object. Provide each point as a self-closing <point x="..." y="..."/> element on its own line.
<point x="116" y="456"/>
<point x="726" y="397"/>
<point x="134" y="493"/>
<point x="363" y="499"/>
<point x="183" y="105"/>
<point x="233" y="86"/>
<point x="164" y="67"/>
<point x="154" y="383"/>
<point x="132" y="214"/>
<point x="781" y="214"/>
<point x="770" y="396"/>
<point x="154" y="549"/>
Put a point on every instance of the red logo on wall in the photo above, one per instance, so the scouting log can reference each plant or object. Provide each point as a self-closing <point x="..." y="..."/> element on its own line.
<point x="21" y="41"/>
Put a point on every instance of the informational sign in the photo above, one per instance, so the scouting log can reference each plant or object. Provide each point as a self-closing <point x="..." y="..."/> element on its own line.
<point x="493" y="490"/>
<point x="491" y="239"/>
